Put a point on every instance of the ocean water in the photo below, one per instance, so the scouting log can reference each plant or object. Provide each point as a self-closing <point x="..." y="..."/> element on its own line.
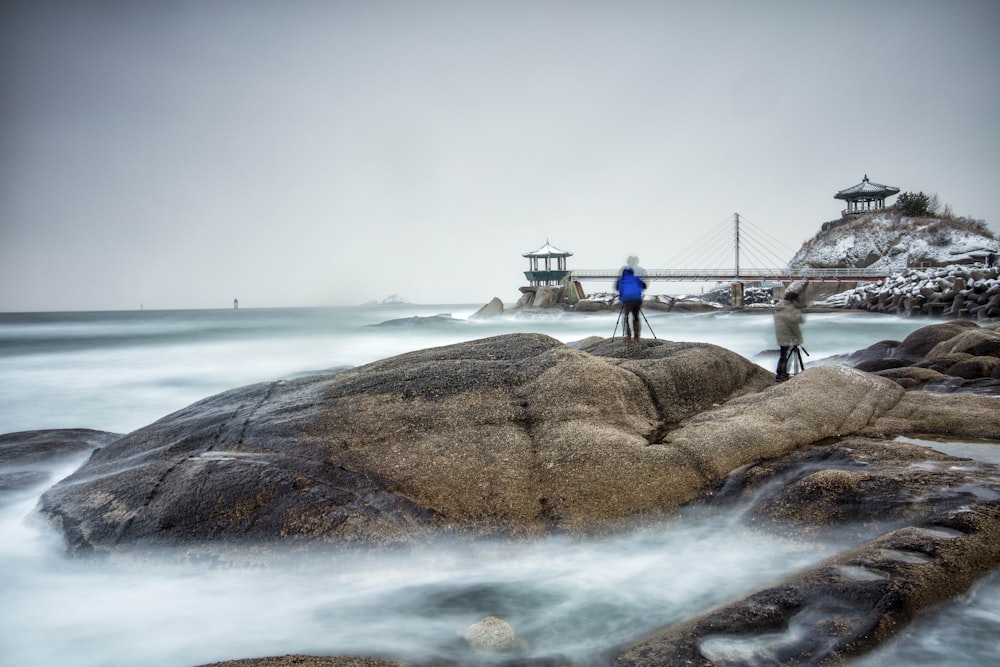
<point x="568" y="599"/>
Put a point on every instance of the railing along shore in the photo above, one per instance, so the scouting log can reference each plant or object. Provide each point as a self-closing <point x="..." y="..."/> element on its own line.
<point x="749" y="274"/>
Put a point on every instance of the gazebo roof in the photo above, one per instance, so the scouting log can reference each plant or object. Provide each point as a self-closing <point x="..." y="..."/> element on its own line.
<point x="547" y="250"/>
<point x="867" y="190"/>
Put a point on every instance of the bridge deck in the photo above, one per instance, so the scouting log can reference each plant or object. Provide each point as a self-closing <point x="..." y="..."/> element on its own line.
<point x="744" y="275"/>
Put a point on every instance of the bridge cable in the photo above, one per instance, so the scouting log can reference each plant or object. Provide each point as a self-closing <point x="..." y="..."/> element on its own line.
<point x="697" y="253"/>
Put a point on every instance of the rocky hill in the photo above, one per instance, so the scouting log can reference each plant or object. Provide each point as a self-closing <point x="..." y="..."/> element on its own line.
<point x="889" y="240"/>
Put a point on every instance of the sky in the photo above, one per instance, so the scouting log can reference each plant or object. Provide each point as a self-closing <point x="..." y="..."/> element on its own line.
<point x="182" y="154"/>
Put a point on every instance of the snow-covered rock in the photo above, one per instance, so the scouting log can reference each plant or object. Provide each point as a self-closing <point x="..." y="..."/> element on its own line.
<point x="967" y="291"/>
<point x="889" y="240"/>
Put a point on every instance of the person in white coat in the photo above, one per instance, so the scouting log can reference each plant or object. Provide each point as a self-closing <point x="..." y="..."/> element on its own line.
<point x="788" y="330"/>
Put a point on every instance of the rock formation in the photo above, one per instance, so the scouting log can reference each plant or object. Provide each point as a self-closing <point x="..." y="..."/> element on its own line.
<point x="948" y="357"/>
<point x="491" y="309"/>
<point x="517" y="434"/>
<point x="523" y="435"/>
<point x="933" y="523"/>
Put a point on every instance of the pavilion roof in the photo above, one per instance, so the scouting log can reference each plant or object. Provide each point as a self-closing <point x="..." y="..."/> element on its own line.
<point x="867" y="190"/>
<point x="547" y="250"/>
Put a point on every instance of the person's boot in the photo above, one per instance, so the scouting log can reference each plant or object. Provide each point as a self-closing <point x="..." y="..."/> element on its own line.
<point x="637" y="327"/>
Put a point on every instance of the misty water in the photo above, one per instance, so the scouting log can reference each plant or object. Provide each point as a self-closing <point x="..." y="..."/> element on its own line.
<point x="568" y="598"/>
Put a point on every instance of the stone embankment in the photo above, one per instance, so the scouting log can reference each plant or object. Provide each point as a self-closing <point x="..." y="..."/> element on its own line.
<point x="958" y="291"/>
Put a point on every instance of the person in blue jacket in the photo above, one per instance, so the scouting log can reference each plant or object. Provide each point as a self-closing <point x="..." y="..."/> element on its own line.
<point x="630" y="287"/>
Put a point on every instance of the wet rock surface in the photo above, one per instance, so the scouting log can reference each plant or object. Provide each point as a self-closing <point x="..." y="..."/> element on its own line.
<point x="30" y="458"/>
<point x="932" y="522"/>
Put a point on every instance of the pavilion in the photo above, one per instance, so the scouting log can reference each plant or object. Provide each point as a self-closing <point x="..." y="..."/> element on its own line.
<point x="548" y="275"/>
<point x="865" y="197"/>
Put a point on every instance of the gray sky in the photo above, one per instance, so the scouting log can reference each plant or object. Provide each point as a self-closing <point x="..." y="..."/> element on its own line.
<point x="181" y="154"/>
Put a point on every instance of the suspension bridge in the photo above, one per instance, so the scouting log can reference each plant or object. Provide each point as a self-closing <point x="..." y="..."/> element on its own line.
<point x="755" y="254"/>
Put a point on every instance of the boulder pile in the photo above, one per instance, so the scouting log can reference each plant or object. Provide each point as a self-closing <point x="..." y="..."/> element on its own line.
<point x="958" y="356"/>
<point x="959" y="291"/>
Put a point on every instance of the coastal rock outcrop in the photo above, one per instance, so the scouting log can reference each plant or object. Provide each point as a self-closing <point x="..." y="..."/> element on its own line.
<point x="957" y="356"/>
<point x="518" y="434"/>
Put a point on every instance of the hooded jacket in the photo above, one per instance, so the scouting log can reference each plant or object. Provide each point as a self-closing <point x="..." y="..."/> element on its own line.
<point x="630" y="286"/>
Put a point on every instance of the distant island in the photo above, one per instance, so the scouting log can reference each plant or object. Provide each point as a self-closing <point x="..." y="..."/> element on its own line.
<point x="391" y="300"/>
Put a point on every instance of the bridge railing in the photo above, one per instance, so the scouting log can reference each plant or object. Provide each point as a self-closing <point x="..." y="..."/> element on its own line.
<point x="731" y="274"/>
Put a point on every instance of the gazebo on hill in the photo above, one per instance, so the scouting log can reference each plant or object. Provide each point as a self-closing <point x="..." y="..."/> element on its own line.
<point x="547" y="275"/>
<point x="865" y="197"/>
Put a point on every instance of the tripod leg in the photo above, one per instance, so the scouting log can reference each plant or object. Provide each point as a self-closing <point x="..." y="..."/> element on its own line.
<point x="647" y="323"/>
<point x="617" y="322"/>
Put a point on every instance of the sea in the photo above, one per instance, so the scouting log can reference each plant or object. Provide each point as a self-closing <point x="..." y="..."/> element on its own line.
<point x="569" y="599"/>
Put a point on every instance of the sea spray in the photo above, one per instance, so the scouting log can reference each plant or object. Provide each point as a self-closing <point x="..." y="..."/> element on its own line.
<point x="567" y="597"/>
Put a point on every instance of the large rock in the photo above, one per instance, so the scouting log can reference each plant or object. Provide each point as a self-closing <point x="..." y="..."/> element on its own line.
<point x="513" y="433"/>
<point x="517" y="433"/>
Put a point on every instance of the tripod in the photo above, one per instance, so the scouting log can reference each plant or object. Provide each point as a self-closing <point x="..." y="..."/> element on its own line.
<point x="618" y="322"/>
<point x="795" y="359"/>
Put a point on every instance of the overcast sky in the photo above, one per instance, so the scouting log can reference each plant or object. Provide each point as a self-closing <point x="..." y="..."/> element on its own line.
<point x="171" y="154"/>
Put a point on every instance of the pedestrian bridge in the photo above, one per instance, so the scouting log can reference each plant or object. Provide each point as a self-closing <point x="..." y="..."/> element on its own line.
<point x="740" y="275"/>
<point x="748" y="245"/>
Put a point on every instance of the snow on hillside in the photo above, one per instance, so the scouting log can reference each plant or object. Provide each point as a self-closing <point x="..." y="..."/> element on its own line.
<point x="888" y="240"/>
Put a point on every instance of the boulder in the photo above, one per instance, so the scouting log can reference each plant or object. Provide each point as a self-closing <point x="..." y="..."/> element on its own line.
<point x="979" y="341"/>
<point x="975" y="368"/>
<point x="539" y="297"/>
<point x="491" y="309"/>
<point x="45" y="446"/>
<point x="592" y="306"/>
<point x="911" y="377"/>
<point x="920" y="342"/>
<point x="884" y="349"/>
<point x="493" y="635"/>
<point x="31" y="458"/>
<point x="858" y="484"/>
